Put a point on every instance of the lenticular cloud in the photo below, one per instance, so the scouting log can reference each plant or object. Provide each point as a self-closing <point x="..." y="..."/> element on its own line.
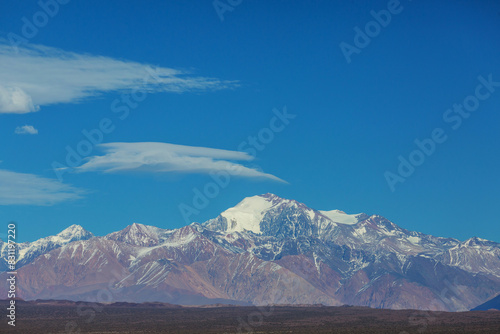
<point x="169" y="158"/>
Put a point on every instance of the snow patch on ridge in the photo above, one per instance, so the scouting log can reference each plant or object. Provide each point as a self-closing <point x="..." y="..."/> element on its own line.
<point x="181" y="241"/>
<point x="341" y="217"/>
<point x="414" y="240"/>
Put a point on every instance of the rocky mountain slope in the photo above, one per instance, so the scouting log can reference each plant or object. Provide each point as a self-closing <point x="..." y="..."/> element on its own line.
<point x="265" y="250"/>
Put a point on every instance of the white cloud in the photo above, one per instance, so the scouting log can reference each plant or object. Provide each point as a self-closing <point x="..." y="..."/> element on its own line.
<point x="15" y="100"/>
<point x="37" y="75"/>
<point x="165" y="158"/>
<point x="26" y="130"/>
<point x="28" y="189"/>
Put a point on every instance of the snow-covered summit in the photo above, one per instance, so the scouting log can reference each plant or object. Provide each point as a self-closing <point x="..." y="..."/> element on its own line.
<point x="73" y="232"/>
<point x="69" y="234"/>
<point x="27" y="251"/>
<point x="139" y="234"/>
<point x="251" y="211"/>
<point x="248" y="214"/>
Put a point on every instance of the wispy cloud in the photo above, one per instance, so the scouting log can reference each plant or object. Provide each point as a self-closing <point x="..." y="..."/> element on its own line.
<point x="26" y="130"/>
<point x="37" y="75"/>
<point x="170" y="158"/>
<point x="28" y="189"/>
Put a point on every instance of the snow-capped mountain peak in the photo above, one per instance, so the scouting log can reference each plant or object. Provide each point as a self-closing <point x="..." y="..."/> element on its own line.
<point x="139" y="234"/>
<point x="248" y="214"/>
<point x="73" y="232"/>
<point x="28" y="251"/>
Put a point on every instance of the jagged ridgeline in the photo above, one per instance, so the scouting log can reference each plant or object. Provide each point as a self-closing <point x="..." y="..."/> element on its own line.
<point x="265" y="250"/>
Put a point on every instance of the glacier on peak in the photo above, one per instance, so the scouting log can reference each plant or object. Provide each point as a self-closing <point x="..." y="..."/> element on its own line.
<point x="248" y="214"/>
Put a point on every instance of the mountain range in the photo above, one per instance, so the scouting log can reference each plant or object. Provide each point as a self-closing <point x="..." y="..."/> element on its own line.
<point x="265" y="250"/>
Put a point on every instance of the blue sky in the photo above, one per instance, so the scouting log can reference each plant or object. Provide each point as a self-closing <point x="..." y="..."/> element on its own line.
<point x="204" y="85"/>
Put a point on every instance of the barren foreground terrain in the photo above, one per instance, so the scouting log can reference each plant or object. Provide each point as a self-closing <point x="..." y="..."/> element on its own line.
<point x="70" y="317"/>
